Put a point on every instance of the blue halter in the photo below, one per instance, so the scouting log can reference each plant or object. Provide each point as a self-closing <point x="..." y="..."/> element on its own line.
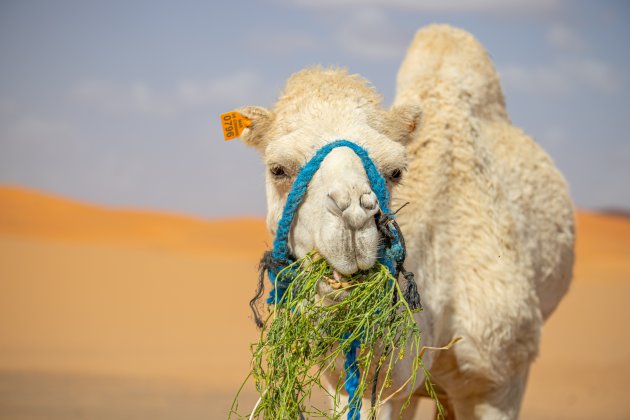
<point x="388" y="257"/>
<point x="391" y="255"/>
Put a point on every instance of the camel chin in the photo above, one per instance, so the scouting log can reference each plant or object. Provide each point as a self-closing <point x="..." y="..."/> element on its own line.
<point x="348" y="251"/>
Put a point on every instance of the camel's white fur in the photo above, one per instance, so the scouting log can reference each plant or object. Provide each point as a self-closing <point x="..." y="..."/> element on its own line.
<point x="489" y="227"/>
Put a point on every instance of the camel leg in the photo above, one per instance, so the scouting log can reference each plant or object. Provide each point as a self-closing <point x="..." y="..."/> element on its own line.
<point x="449" y="411"/>
<point x="388" y="411"/>
<point x="342" y="401"/>
<point x="391" y="409"/>
<point x="499" y="403"/>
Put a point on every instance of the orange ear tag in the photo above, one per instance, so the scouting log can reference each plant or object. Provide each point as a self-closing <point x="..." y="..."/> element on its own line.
<point x="233" y="124"/>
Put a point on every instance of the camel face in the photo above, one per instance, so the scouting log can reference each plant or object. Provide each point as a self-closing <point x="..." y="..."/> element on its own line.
<point x="336" y="215"/>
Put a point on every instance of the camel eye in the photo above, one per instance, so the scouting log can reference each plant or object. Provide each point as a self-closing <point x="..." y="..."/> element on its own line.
<point x="278" y="172"/>
<point x="395" y="175"/>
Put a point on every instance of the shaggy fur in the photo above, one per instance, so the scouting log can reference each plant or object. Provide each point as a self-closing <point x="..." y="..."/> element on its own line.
<point x="489" y="227"/>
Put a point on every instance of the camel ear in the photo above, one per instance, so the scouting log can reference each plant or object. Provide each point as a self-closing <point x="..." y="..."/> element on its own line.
<point x="402" y="122"/>
<point x="256" y="134"/>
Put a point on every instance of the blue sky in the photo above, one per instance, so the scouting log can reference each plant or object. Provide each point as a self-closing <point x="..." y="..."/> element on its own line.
<point x="117" y="102"/>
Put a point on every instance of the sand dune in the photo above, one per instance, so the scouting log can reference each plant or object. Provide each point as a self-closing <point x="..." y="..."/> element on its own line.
<point x="603" y="247"/>
<point x="33" y="214"/>
<point x="127" y="314"/>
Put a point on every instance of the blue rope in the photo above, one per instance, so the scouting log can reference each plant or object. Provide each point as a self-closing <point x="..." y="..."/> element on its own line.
<point x="390" y="256"/>
<point x="352" y="381"/>
<point x="298" y="190"/>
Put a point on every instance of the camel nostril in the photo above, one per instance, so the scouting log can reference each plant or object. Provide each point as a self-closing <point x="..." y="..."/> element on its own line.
<point x="368" y="201"/>
<point x="340" y="199"/>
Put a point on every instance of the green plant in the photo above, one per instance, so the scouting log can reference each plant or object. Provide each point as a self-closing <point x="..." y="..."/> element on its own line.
<point x="308" y="331"/>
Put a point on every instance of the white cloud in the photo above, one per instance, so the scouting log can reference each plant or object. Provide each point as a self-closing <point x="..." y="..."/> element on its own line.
<point x="597" y="74"/>
<point x="135" y="97"/>
<point x="563" y="77"/>
<point x="235" y="88"/>
<point x="564" y="38"/>
<point x="36" y="128"/>
<point x="35" y="148"/>
<point x="281" y="43"/>
<point x="140" y="98"/>
<point x="370" y="34"/>
<point x="441" y="6"/>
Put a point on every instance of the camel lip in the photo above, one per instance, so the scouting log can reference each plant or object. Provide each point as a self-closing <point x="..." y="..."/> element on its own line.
<point x="338" y="281"/>
<point x="337" y="286"/>
<point x="341" y="272"/>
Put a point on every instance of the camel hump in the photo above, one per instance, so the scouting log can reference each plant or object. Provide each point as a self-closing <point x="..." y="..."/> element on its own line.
<point x="448" y="64"/>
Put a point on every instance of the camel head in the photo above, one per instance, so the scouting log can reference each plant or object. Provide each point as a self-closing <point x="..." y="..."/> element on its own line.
<point x="336" y="216"/>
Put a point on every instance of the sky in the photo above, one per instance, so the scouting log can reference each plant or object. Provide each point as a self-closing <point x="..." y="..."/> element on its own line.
<point x="118" y="102"/>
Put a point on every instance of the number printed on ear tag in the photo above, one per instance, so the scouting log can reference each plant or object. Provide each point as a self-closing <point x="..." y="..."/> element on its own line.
<point x="233" y="124"/>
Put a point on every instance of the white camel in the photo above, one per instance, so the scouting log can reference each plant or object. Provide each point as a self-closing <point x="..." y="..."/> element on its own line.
<point x="489" y="226"/>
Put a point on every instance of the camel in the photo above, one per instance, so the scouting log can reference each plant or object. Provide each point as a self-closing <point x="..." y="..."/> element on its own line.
<point x="489" y="226"/>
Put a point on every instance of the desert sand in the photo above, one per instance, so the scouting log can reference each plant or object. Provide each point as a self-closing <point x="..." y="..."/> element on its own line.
<point x="123" y="314"/>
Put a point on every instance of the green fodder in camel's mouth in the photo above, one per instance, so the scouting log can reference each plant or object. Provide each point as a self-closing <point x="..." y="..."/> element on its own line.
<point x="307" y="334"/>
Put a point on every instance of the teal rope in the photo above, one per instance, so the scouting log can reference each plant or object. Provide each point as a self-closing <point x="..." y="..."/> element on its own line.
<point x="391" y="256"/>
